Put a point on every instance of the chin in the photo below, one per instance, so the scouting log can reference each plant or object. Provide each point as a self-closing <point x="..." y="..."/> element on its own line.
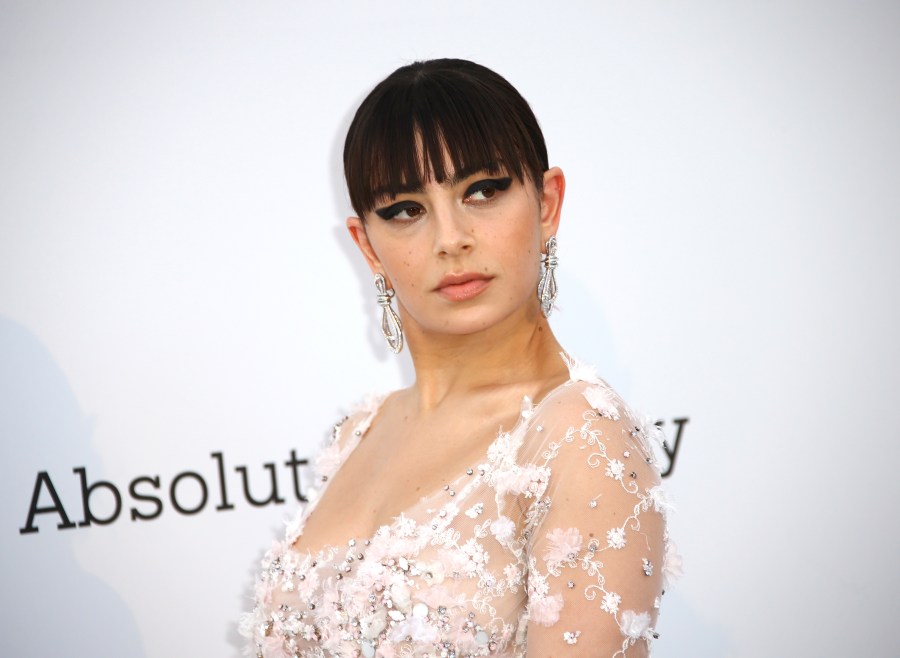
<point x="468" y="323"/>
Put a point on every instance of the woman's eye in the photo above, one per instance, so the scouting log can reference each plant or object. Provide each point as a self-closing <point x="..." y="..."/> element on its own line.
<point x="485" y="190"/>
<point x="401" y="210"/>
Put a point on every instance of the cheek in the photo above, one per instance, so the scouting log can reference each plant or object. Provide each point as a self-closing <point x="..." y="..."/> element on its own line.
<point x="407" y="266"/>
<point x="406" y="271"/>
<point x="399" y="261"/>
<point x="525" y="255"/>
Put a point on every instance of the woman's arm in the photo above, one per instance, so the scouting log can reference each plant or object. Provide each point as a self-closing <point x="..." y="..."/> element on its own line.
<point x="596" y="552"/>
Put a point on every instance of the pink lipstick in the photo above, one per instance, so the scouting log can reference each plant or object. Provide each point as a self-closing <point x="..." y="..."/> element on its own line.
<point x="460" y="287"/>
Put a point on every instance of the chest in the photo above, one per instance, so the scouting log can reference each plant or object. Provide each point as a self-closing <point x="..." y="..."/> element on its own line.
<point x="412" y="586"/>
<point x="399" y="467"/>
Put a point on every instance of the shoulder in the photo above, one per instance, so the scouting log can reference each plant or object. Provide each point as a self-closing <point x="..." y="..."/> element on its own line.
<point x="345" y="434"/>
<point x="587" y="413"/>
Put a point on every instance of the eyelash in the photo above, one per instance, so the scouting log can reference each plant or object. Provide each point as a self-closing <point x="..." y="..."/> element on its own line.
<point x="395" y="209"/>
<point x="496" y="184"/>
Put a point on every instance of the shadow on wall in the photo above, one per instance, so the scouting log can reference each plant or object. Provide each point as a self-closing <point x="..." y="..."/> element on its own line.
<point x="50" y="605"/>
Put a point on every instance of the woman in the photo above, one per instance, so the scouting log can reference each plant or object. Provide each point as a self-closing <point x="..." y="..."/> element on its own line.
<point x="505" y="504"/>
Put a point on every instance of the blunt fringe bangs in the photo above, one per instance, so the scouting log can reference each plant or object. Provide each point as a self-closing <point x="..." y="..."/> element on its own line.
<point x="429" y="115"/>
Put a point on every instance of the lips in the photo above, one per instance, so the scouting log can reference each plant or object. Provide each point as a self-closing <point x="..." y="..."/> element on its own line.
<point x="460" y="287"/>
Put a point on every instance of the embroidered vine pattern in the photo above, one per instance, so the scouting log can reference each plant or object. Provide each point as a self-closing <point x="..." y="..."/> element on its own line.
<point x="462" y="577"/>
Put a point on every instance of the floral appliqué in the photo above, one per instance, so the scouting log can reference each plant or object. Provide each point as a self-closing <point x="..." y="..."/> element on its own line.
<point x="519" y="547"/>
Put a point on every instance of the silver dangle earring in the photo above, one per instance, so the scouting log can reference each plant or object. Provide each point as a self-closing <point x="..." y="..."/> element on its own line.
<point x="547" y="289"/>
<point x="391" y="328"/>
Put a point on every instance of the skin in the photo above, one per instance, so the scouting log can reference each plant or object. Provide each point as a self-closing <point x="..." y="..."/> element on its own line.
<point x="498" y="336"/>
<point x="473" y="359"/>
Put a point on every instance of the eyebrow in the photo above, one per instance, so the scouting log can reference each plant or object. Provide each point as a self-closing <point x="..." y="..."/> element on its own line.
<point x="418" y="188"/>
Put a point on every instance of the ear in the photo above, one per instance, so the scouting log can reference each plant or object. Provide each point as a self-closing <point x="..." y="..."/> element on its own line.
<point x="551" y="201"/>
<point x="357" y="230"/>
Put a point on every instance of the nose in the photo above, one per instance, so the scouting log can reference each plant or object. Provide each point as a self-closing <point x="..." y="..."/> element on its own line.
<point x="452" y="233"/>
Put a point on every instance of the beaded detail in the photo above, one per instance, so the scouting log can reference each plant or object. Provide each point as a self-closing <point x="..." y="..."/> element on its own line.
<point x="524" y="547"/>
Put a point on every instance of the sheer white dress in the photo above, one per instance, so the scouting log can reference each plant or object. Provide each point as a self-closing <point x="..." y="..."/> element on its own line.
<point x="553" y="544"/>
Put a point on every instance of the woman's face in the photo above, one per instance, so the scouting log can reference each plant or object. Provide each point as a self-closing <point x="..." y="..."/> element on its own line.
<point x="463" y="256"/>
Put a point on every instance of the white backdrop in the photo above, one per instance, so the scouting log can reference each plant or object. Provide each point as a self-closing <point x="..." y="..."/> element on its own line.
<point x="175" y="281"/>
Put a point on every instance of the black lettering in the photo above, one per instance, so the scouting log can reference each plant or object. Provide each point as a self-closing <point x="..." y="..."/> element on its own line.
<point x="174" y="499"/>
<point x="672" y="453"/>
<point x="294" y="465"/>
<point x="221" y="465"/>
<point x="273" y="497"/>
<point x="43" y="479"/>
<point x="132" y="489"/>
<point x="87" y="491"/>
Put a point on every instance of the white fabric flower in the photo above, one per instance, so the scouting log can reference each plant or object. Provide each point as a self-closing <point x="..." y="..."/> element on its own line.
<point x="369" y="407"/>
<point x="602" y="399"/>
<point x="400" y="595"/>
<point x="650" y="430"/>
<point x="437" y="597"/>
<point x="615" y="538"/>
<point x="250" y="622"/>
<point x="527" y="408"/>
<point x="672" y="564"/>
<point x="371" y="625"/>
<point x="634" y="624"/>
<point x="530" y="480"/>
<point x="328" y="460"/>
<point x="503" y="529"/>
<point x="415" y="628"/>
<point x="312" y="495"/>
<point x="610" y="603"/>
<point x="562" y="545"/>
<point x="477" y="557"/>
<point x="570" y="637"/>
<point x="615" y="469"/>
<point x="294" y="525"/>
<point x="544" y="610"/>
<point x="580" y="372"/>
<point x="662" y="503"/>
<point x="455" y="561"/>
<point x="370" y="573"/>
<point x="513" y="577"/>
<point x="307" y="587"/>
<point x="475" y="510"/>
<point x="406" y="527"/>
<point x="501" y="451"/>
<point x="537" y="582"/>
<point x="273" y="647"/>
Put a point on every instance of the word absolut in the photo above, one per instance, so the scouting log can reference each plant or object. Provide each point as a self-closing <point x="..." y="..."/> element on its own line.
<point x="147" y="494"/>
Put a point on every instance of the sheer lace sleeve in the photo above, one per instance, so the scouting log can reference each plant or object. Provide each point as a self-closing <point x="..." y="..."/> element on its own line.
<point x="596" y="539"/>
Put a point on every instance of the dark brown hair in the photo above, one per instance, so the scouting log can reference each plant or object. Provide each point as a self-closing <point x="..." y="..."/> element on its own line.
<point x="426" y="111"/>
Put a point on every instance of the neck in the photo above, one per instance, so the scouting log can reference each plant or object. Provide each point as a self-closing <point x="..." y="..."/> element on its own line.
<point x="518" y="351"/>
